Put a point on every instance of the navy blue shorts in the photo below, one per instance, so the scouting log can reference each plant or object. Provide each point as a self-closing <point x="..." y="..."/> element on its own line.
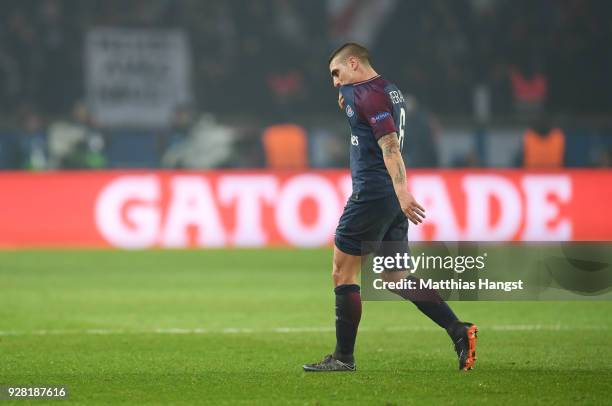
<point x="365" y="224"/>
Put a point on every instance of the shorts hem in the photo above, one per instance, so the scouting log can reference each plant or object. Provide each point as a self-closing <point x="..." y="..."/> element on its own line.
<point x="347" y="250"/>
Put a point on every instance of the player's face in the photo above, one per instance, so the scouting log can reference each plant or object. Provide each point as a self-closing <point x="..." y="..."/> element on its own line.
<point x="342" y="72"/>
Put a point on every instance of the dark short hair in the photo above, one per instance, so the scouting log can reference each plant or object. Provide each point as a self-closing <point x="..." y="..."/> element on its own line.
<point x="351" y="49"/>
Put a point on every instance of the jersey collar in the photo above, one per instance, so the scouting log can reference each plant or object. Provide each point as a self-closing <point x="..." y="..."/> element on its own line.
<point x="365" y="81"/>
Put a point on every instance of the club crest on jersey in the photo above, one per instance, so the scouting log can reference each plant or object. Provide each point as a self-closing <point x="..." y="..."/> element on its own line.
<point x="380" y="116"/>
<point x="349" y="111"/>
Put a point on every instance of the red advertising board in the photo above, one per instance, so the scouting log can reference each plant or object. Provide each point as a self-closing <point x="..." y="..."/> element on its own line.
<point x="146" y="209"/>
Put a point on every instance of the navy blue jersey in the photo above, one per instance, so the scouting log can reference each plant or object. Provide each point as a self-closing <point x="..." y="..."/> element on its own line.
<point x="374" y="108"/>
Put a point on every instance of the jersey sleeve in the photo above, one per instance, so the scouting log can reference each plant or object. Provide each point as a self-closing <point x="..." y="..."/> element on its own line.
<point x="375" y="109"/>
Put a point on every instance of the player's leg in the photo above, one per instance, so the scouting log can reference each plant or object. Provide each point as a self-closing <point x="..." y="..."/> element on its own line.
<point x="360" y="222"/>
<point x="427" y="300"/>
<point x="345" y="271"/>
<point x="430" y="303"/>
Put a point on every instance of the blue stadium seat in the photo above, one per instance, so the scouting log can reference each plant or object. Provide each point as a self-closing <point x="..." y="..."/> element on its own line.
<point x="133" y="149"/>
<point x="10" y="151"/>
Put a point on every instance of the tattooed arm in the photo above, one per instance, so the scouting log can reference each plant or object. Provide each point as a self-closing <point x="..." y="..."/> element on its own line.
<point x="395" y="166"/>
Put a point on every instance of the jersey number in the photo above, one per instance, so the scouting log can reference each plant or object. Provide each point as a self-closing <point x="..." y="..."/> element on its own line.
<point x="402" y="125"/>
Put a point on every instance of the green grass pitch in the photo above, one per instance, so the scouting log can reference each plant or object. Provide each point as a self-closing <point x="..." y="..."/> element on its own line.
<point x="235" y="326"/>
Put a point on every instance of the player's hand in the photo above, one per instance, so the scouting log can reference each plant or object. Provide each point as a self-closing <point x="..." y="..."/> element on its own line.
<point x="413" y="210"/>
<point x="340" y="101"/>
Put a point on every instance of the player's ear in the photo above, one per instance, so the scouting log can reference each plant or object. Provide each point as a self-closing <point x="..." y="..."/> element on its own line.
<point x="353" y="62"/>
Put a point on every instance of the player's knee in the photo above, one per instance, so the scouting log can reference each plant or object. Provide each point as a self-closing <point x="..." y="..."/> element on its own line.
<point x="337" y="275"/>
<point x="343" y="272"/>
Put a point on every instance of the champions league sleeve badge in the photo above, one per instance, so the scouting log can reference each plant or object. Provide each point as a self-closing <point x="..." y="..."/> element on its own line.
<point x="349" y="111"/>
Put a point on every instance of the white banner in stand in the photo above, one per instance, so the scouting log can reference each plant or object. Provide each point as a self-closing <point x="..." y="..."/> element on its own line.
<point x="137" y="77"/>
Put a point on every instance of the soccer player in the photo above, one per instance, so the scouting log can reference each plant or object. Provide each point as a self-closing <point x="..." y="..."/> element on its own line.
<point x="379" y="207"/>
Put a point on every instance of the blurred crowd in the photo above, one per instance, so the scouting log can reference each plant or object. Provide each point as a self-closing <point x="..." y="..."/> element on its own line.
<point x="271" y="54"/>
<point x="266" y="59"/>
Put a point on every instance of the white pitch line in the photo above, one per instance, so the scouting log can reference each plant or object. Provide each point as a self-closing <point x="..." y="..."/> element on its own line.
<point x="288" y="330"/>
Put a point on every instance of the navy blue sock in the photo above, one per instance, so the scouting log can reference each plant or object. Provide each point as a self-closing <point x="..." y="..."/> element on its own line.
<point x="348" y="315"/>
<point x="430" y="303"/>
